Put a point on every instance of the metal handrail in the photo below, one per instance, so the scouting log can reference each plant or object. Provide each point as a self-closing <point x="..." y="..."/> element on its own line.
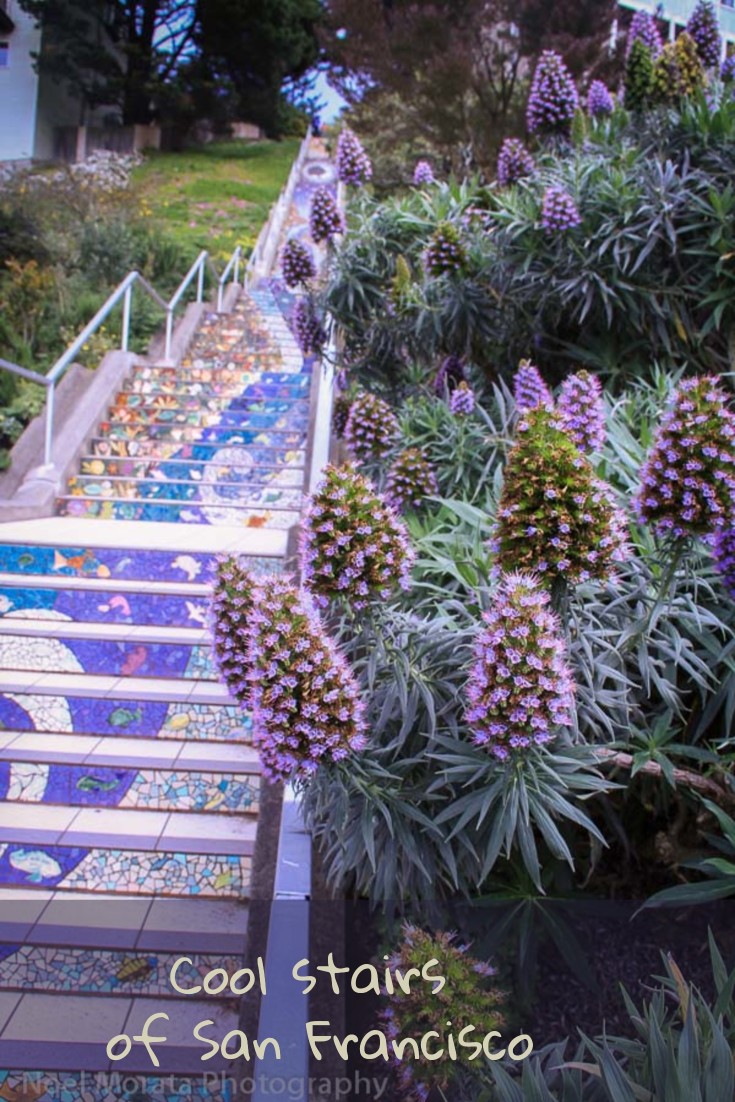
<point x="124" y="291"/>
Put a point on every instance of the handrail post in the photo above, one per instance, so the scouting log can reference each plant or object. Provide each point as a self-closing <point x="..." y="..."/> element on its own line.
<point x="169" y="332"/>
<point x="49" y="436"/>
<point x="220" y="290"/>
<point x="127" y="302"/>
<point x="238" y="254"/>
<point x="200" y="282"/>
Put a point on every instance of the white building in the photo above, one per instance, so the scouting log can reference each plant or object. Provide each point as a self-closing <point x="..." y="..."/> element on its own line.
<point x="675" y="14"/>
<point x="40" y="119"/>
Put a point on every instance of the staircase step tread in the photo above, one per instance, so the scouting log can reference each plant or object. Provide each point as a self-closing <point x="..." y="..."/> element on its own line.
<point x="103" y="585"/>
<point x="114" y="920"/>
<point x="37" y="1034"/>
<point x="13" y="624"/>
<point x="157" y="536"/>
<point x="119" y="752"/>
<point x="140" y="689"/>
<point x="152" y="462"/>
<point x="223" y="503"/>
<point x="127" y="829"/>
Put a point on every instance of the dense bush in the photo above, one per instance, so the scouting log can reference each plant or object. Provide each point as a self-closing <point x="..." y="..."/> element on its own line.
<point x="646" y="275"/>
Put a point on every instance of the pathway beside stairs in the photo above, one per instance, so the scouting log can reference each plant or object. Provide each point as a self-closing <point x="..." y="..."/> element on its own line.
<point x="129" y="787"/>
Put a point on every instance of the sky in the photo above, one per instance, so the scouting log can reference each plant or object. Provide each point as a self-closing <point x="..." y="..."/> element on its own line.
<point x="332" y="100"/>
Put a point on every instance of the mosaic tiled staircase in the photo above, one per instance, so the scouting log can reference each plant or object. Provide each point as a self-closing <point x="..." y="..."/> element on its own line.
<point x="129" y="788"/>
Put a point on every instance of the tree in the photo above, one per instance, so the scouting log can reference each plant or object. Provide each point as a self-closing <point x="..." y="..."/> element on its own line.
<point x="142" y="56"/>
<point x="116" y="54"/>
<point x="260" y="45"/>
<point x="458" y="67"/>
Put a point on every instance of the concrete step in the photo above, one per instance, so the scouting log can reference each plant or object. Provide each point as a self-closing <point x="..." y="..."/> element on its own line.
<point x="73" y="537"/>
<point x="150" y="754"/>
<point x="104" y="920"/>
<point x="41" y="825"/>
<point x="113" y="687"/>
<point x="35" y="1034"/>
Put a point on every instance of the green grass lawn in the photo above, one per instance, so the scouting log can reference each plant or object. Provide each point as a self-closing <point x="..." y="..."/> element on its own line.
<point x="215" y="197"/>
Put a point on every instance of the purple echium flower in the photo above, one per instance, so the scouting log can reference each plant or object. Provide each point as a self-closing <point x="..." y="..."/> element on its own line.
<point x="688" y="478"/>
<point x="582" y="411"/>
<point x="450" y="374"/>
<point x="704" y="28"/>
<point x="529" y="389"/>
<point x="307" y="328"/>
<point x="353" y="164"/>
<point x="462" y="401"/>
<point x="353" y="546"/>
<point x="553" y="99"/>
<point x="325" y="218"/>
<point x="514" y="162"/>
<point x="423" y="174"/>
<point x="304" y="698"/>
<point x="445" y="252"/>
<point x="724" y="555"/>
<point x="559" y="211"/>
<point x="371" y="429"/>
<point x="297" y="263"/>
<point x="230" y="611"/>
<point x="727" y="72"/>
<point x="520" y="689"/>
<point x="555" y="517"/>
<point x="468" y="999"/>
<point x="410" y="479"/>
<point x="643" y="29"/>
<point x="599" y="99"/>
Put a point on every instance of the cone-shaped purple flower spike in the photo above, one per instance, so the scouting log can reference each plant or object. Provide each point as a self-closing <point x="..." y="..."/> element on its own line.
<point x="520" y="690"/>
<point x="514" y="162"/>
<point x="307" y="327"/>
<point x="297" y="263"/>
<point x="529" y="389"/>
<point x="353" y="545"/>
<point x="553" y="99"/>
<point x="462" y="401"/>
<point x="582" y="411"/>
<point x="688" y="478"/>
<point x="353" y="164"/>
<point x="599" y="100"/>
<point x="371" y="429"/>
<point x="643" y="29"/>
<point x="559" y="212"/>
<point x="423" y="174"/>
<point x="325" y="218"/>
<point x="704" y="28"/>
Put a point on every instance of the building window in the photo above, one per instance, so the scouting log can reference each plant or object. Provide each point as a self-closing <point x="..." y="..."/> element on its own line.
<point x="4" y="55"/>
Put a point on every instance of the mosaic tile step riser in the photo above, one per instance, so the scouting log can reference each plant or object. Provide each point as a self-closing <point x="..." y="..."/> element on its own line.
<point x="179" y="513"/>
<point x="162" y="450"/>
<point x="83" y="715"/>
<point x="222" y="435"/>
<point x="117" y="563"/>
<point x="185" y="470"/>
<point x="98" y="656"/>
<point x="233" y="494"/>
<point x="179" y="484"/>
<point x="183" y="406"/>
<point x="106" y="971"/>
<point x="93" y="606"/>
<point x="124" y="421"/>
<point x="149" y="789"/>
<point x="125" y="871"/>
<point x="254" y="382"/>
<point x="65" y="1086"/>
